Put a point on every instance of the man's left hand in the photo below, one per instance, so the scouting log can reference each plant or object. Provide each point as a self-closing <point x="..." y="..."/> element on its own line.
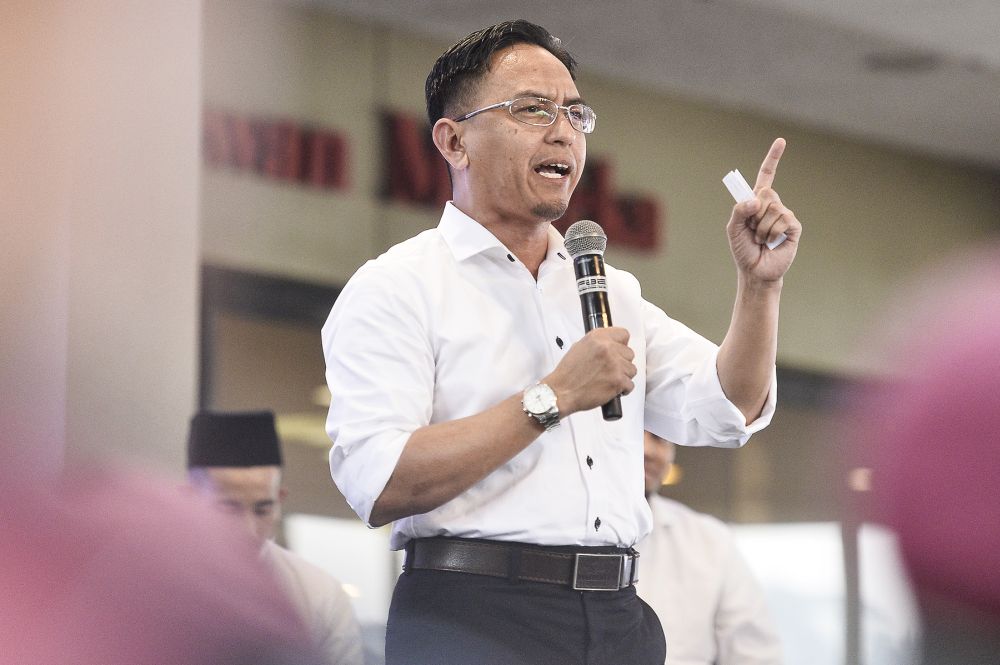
<point x="760" y="220"/>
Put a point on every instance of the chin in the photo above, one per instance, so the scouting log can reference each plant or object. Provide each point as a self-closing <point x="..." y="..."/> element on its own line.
<point x="551" y="210"/>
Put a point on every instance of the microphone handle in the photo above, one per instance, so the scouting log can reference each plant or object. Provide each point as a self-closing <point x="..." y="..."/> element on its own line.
<point x="593" y="288"/>
<point x="613" y="409"/>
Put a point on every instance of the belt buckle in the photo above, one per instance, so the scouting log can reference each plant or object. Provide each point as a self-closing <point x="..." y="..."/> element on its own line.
<point x="588" y="558"/>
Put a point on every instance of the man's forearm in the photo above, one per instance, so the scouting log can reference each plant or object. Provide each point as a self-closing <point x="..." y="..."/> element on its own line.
<point x="747" y="355"/>
<point x="441" y="461"/>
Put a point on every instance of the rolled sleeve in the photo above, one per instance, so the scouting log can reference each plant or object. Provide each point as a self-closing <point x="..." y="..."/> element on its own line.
<point x="380" y="370"/>
<point x="685" y="402"/>
<point x="710" y="407"/>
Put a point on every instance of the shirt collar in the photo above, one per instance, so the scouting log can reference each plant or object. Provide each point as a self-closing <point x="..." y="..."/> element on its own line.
<point x="466" y="237"/>
<point x="557" y="247"/>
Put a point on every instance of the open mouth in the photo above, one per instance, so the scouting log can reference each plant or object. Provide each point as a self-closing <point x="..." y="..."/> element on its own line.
<point x="553" y="170"/>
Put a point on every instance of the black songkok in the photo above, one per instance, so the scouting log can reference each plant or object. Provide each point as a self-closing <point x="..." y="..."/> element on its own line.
<point x="233" y="439"/>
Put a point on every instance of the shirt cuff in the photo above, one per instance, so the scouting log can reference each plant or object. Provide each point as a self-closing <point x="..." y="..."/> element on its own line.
<point x="708" y="418"/>
<point x="719" y="416"/>
<point x="361" y="469"/>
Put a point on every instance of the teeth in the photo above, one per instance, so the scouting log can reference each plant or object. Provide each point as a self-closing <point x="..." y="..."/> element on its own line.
<point x="553" y="170"/>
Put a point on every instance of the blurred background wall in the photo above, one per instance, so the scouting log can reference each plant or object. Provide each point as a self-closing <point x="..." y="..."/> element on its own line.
<point x="99" y="188"/>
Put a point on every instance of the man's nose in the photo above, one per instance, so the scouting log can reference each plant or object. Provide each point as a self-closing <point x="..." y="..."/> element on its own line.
<point x="246" y="518"/>
<point x="562" y="131"/>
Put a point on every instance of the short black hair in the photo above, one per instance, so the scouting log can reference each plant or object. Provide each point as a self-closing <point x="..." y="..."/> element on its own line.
<point x="456" y="73"/>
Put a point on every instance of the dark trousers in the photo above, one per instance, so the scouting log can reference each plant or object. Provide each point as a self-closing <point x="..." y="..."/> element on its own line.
<point x="453" y="618"/>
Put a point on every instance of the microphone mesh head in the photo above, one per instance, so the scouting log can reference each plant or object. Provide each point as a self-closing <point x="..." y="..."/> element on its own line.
<point x="585" y="237"/>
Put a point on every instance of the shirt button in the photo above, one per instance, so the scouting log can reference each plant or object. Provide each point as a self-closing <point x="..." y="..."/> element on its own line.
<point x="590" y="461"/>
<point x="597" y="524"/>
<point x="559" y="342"/>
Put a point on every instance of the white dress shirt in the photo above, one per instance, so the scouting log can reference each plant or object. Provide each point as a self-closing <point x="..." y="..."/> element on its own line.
<point x="448" y="324"/>
<point x="321" y="602"/>
<point x="710" y="605"/>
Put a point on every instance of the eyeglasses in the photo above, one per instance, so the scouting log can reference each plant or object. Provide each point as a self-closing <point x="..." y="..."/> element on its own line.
<point x="543" y="112"/>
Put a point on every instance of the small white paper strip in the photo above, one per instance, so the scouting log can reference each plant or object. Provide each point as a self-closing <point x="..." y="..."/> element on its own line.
<point x="741" y="191"/>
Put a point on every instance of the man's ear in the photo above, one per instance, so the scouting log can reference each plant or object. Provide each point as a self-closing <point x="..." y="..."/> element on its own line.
<point x="447" y="136"/>
<point x="282" y="493"/>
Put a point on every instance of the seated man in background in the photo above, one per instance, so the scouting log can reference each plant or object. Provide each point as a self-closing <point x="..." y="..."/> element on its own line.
<point x="235" y="459"/>
<point x="693" y="576"/>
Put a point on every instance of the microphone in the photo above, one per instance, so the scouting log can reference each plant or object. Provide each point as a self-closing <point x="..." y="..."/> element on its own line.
<point x="585" y="241"/>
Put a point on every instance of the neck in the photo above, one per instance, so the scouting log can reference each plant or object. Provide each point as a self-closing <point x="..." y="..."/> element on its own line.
<point x="527" y="244"/>
<point x="527" y="239"/>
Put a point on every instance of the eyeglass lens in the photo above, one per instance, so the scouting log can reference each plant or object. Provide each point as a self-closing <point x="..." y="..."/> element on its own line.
<point x="538" y="111"/>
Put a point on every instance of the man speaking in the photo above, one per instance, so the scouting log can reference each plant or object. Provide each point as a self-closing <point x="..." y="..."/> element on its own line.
<point x="465" y="391"/>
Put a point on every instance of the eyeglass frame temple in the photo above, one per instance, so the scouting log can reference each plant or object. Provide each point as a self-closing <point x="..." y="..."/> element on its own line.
<point x="506" y="104"/>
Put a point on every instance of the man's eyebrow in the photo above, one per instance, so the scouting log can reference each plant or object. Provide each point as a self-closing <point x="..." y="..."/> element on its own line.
<point x="535" y="93"/>
<point x="265" y="502"/>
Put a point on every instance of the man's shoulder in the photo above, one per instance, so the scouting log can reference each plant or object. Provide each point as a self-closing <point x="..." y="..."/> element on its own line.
<point x="410" y="263"/>
<point x="404" y="262"/>
<point x="321" y="601"/>
<point x="314" y="586"/>
<point x="620" y="274"/>
<point x="285" y="558"/>
<point x="408" y="254"/>
<point x="678" y="515"/>
<point x="623" y="283"/>
<point x="415" y="246"/>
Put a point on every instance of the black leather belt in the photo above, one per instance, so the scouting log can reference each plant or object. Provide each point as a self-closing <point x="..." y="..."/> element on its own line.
<point x="582" y="569"/>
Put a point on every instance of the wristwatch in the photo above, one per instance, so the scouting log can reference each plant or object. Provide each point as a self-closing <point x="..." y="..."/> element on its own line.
<point x="539" y="402"/>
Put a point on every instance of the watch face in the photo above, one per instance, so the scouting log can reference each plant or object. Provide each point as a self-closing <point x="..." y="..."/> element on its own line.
<point x="539" y="399"/>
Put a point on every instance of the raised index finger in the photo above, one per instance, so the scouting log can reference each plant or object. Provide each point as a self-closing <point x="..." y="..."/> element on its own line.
<point x="765" y="177"/>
